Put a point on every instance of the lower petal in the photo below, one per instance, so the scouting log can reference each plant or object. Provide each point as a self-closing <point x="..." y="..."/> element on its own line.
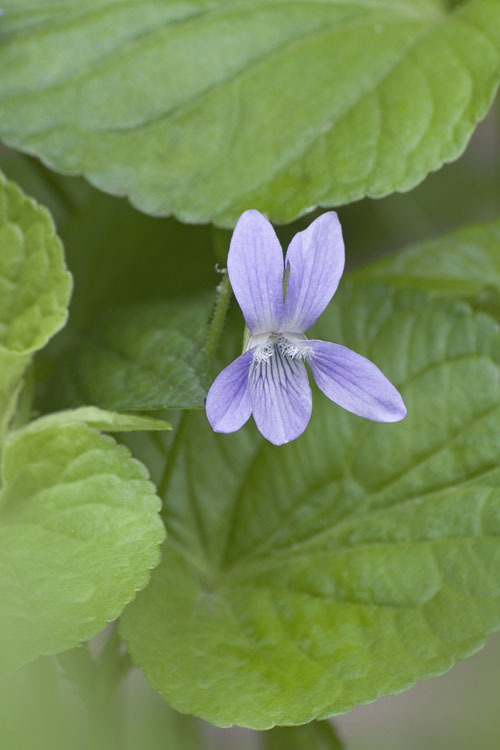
<point x="228" y="404"/>
<point x="281" y="397"/>
<point x="355" y="383"/>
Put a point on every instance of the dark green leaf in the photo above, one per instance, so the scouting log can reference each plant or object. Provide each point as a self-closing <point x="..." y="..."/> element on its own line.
<point x="459" y="264"/>
<point x="318" y="735"/>
<point x="300" y="581"/>
<point x="141" y="357"/>
<point x="144" y="293"/>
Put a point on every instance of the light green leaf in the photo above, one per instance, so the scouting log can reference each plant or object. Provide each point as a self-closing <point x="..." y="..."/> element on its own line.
<point x="318" y="735"/>
<point x="461" y="263"/>
<point x="206" y="108"/>
<point x="140" y="357"/>
<point x="300" y="581"/>
<point x="79" y="534"/>
<point x="34" y="289"/>
<point x="35" y="285"/>
<point x="107" y="421"/>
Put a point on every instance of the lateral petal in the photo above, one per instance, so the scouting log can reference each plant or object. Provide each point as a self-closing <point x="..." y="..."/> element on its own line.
<point x="228" y="404"/>
<point x="316" y="260"/>
<point x="255" y="267"/>
<point x="355" y="383"/>
<point x="281" y="397"/>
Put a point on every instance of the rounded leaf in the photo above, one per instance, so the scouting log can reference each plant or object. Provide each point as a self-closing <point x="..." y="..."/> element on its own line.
<point x="79" y="535"/>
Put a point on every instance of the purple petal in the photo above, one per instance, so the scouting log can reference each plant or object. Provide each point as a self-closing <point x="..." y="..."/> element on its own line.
<point x="255" y="266"/>
<point x="281" y="397"/>
<point x="228" y="404"/>
<point x="355" y="383"/>
<point x="316" y="258"/>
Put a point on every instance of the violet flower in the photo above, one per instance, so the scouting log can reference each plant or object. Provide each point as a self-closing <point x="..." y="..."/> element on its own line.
<point x="269" y="380"/>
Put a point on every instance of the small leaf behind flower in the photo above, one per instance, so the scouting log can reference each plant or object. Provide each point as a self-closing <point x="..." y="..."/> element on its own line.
<point x="138" y="321"/>
<point x="137" y="358"/>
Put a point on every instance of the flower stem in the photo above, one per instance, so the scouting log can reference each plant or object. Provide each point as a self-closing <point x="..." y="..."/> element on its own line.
<point x="172" y="456"/>
<point x="218" y="318"/>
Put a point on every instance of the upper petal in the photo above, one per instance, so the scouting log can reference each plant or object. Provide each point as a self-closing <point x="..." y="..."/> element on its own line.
<point x="255" y="267"/>
<point x="355" y="383"/>
<point x="228" y="404"/>
<point x="281" y="397"/>
<point x="316" y="258"/>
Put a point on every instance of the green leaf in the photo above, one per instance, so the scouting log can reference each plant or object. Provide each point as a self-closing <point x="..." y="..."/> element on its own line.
<point x="35" y="284"/>
<point x="318" y="735"/>
<point x="138" y="321"/>
<point x="79" y="534"/>
<point x="34" y="289"/>
<point x="107" y="421"/>
<point x="460" y="264"/>
<point x="140" y="357"/>
<point x="204" y="109"/>
<point x="300" y="581"/>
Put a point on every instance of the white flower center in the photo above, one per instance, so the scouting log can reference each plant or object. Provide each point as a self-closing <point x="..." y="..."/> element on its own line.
<point x="290" y="345"/>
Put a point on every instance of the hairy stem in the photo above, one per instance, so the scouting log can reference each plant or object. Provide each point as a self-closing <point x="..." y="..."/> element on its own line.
<point x="218" y="318"/>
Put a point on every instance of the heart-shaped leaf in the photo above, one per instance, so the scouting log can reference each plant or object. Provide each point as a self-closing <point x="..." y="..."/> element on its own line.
<point x="300" y="581"/>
